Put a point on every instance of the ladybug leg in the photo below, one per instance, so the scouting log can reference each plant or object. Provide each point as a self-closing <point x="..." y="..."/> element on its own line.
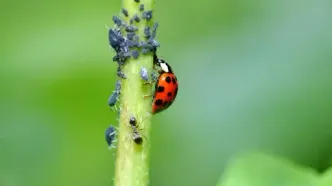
<point x="148" y="83"/>
<point x="147" y="96"/>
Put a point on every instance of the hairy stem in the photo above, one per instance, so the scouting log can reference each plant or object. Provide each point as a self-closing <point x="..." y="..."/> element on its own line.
<point x="132" y="161"/>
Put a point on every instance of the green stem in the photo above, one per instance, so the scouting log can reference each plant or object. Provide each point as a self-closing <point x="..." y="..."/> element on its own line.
<point x="132" y="161"/>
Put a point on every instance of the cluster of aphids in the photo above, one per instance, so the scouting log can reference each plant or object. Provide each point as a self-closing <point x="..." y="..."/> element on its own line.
<point x="127" y="44"/>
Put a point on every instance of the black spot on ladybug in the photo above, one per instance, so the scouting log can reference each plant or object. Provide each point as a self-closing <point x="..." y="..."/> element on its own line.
<point x="165" y="104"/>
<point x="173" y="80"/>
<point x="161" y="89"/>
<point x="159" y="102"/>
<point x="169" y="94"/>
<point x="168" y="79"/>
<point x="176" y="90"/>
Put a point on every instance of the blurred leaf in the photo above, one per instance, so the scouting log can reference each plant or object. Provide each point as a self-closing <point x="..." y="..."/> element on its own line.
<point x="326" y="179"/>
<point x="264" y="170"/>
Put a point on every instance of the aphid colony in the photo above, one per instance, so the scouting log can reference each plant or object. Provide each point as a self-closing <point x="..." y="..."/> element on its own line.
<point x="127" y="44"/>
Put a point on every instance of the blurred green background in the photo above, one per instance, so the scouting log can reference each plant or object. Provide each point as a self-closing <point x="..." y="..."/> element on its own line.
<point x="254" y="75"/>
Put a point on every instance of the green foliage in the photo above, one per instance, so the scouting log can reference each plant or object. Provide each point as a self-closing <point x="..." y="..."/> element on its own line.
<point x="252" y="75"/>
<point x="258" y="169"/>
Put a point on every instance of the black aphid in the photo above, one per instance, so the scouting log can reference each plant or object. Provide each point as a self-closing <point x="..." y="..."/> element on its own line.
<point x="141" y="7"/>
<point x="153" y="43"/>
<point x="136" y="18"/>
<point x="110" y="135"/>
<point x="147" y="31"/>
<point x="135" y="54"/>
<point x="115" y="39"/>
<point x="130" y="35"/>
<point x="136" y="38"/>
<point x="113" y="99"/>
<point x="154" y="31"/>
<point x="147" y="15"/>
<point x="125" y="12"/>
<point x="145" y="50"/>
<point x="120" y="73"/>
<point x="117" y="21"/>
<point x="118" y="86"/>
<point x="132" y="44"/>
<point x="130" y="28"/>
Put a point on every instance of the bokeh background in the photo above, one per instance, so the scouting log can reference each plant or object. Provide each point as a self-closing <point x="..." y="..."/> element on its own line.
<point x="255" y="75"/>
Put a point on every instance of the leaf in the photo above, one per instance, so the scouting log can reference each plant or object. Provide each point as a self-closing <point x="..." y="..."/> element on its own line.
<point x="257" y="169"/>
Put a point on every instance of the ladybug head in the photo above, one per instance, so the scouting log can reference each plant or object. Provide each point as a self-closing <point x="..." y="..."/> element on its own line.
<point x="163" y="65"/>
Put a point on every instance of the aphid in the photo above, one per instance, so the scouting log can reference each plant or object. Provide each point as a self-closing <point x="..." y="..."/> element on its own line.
<point x="120" y="59"/>
<point x="147" y="31"/>
<point x="144" y="74"/>
<point x="125" y="12"/>
<point x="153" y="43"/>
<point x="120" y="73"/>
<point x="154" y="31"/>
<point x="131" y="28"/>
<point x="117" y="21"/>
<point x="118" y="86"/>
<point x="166" y="87"/>
<point x="115" y="95"/>
<point x="136" y="135"/>
<point x="141" y="7"/>
<point x="113" y="98"/>
<point x="147" y="15"/>
<point x="137" y="1"/>
<point x="145" y="51"/>
<point x="136" y="38"/>
<point x="115" y="39"/>
<point x="110" y="135"/>
<point x="136" y="18"/>
<point x="135" y="54"/>
<point x="133" y="43"/>
<point x="130" y="35"/>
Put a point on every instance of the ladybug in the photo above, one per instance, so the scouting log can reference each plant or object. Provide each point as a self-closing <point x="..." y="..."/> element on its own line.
<point x="166" y="87"/>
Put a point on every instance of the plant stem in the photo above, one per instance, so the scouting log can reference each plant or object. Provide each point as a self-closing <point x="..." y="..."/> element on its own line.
<point x="132" y="161"/>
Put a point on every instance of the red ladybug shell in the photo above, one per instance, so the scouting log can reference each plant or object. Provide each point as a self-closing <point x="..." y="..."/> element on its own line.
<point x="166" y="90"/>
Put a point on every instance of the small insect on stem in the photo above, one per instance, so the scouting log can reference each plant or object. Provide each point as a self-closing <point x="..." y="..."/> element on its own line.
<point x="131" y="28"/>
<point x="125" y="12"/>
<point x="115" y="95"/>
<point x="147" y="15"/>
<point x="120" y="73"/>
<point x="117" y="21"/>
<point x="147" y="31"/>
<point x="136" y="135"/>
<point x="115" y="39"/>
<point x="144" y="74"/>
<point x="110" y="135"/>
<point x="141" y="7"/>
<point x="135" y="54"/>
